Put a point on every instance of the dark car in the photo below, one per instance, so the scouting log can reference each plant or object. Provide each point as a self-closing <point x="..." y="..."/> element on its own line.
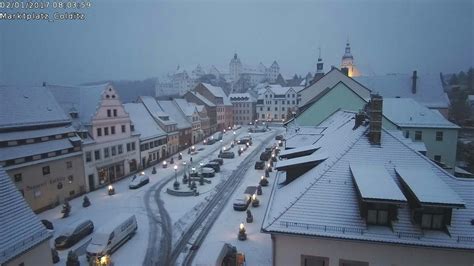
<point x="259" y="165"/>
<point x="73" y="234"/>
<point x="138" y="181"/>
<point x="220" y="161"/>
<point x="54" y="255"/>
<point x="48" y="224"/>
<point x="265" y="156"/>
<point x="210" y="141"/>
<point x="245" y="141"/>
<point x="279" y="137"/>
<point x="213" y="165"/>
<point x="227" y="155"/>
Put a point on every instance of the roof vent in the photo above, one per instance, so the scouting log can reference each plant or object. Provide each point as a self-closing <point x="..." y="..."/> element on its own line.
<point x="472" y="222"/>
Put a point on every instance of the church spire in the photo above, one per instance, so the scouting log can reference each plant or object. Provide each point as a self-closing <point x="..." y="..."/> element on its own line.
<point x="319" y="65"/>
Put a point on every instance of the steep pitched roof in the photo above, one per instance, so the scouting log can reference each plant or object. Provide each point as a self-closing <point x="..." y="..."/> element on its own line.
<point x="186" y="107"/>
<point x="429" y="89"/>
<point x="143" y="121"/>
<point x="216" y="91"/>
<point x="29" y="106"/>
<point x="202" y="98"/>
<point x="175" y="112"/>
<point x="323" y="201"/>
<point x="155" y="110"/>
<point x="21" y="229"/>
<point x="406" y="112"/>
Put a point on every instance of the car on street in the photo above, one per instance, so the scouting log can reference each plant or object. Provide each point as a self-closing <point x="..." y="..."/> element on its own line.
<point x="73" y="233"/>
<point x="241" y="204"/>
<point x="279" y="137"/>
<point x="265" y="156"/>
<point x="259" y="165"/>
<point x="214" y="165"/>
<point x="207" y="172"/>
<point x="218" y="160"/>
<point x="138" y="181"/>
<point x="245" y="140"/>
<point x="227" y="155"/>
<point x="47" y="224"/>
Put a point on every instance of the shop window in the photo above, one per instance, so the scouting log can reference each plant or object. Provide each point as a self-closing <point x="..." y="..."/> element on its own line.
<point x="37" y="193"/>
<point x="72" y="193"/>
<point x="18" y="177"/>
<point x="352" y="263"/>
<point x="46" y="170"/>
<point x="60" y="185"/>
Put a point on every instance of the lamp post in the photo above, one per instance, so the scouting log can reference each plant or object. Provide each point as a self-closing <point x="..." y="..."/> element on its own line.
<point x="176" y="183"/>
<point x="263" y="181"/>
<point x="185" y="177"/>
<point x="242" y="234"/>
<point x="111" y="190"/>
<point x="255" y="201"/>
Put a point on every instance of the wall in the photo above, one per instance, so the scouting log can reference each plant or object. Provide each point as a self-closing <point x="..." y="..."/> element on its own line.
<point x="339" y="97"/>
<point x="33" y="181"/>
<point x="39" y="255"/>
<point x="288" y="251"/>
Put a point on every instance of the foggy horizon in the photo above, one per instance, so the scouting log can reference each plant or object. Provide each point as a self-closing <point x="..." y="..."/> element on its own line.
<point x="124" y="41"/>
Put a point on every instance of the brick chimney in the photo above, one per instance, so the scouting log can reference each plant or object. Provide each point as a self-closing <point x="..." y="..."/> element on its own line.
<point x="413" y="82"/>
<point x="375" y="115"/>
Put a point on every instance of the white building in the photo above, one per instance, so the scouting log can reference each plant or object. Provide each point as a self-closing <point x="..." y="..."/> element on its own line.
<point x="359" y="195"/>
<point x="277" y="103"/>
<point x="176" y="83"/>
<point x="252" y="75"/>
<point x="109" y="143"/>
<point x="244" y="108"/>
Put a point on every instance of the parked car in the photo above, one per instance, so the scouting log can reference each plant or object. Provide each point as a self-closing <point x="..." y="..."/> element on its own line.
<point x="279" y="137"/>
<point x="48" y="224"/>
<point x="214" y="165"/>
<point x="245" y="140"/>
<point x="241" y="204"/>
<point x="138" y="181"/>
<point x="265" y="156"/>
<point x="54" y="256"/>
<point x="207" y="172"/>
<point x="210" y="141"/>
<point x="218" y="160"/>
<point x="227" y="155"/>
<point x="73" y="233"/>
<point x="111" y="236"/>
<point x="259" y="165"/>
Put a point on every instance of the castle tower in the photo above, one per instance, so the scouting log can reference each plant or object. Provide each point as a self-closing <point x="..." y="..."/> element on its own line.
<point x="235" y="68"/>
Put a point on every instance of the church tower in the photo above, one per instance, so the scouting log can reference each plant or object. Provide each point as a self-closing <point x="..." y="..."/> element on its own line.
<point x="319" y="69"/>
<point x="348" y="62"/>
<point x="235" y="68"/>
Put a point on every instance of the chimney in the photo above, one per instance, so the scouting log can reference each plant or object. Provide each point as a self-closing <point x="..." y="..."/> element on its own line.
<point x="413" y="82"/>
<point x="345" y="70"/>
<point x="359" y="119"/>
<point x="375" y="115"/>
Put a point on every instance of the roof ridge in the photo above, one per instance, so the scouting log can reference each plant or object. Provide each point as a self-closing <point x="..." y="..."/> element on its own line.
<point x="351" y="145"/>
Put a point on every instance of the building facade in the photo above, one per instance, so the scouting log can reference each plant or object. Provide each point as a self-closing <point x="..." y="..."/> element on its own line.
<point x="210" y="111"/>
<point x="244" y="108"/>
<point x="39" y="147"/>
<point x="192" y="115"/>
<point x="216" y="95"/>
<point x="277" y="103"/>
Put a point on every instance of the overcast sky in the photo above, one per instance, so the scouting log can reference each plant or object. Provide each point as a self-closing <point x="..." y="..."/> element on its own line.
<point x="121" y="40"/>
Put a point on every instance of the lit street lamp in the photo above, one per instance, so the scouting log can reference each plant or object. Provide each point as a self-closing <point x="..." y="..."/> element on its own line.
<point x="255" y="201"/>
<point x="263" y="181"/>
<point x="242" y="234"/>
<point x="111" y="190"/>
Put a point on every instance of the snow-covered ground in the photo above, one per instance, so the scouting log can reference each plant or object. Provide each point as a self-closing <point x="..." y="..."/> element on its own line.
<point x="127" y="201"/>
<point x="258" y="247"/>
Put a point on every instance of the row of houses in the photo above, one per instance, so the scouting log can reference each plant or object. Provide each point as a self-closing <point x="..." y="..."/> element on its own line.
<point x="58" y="142"/>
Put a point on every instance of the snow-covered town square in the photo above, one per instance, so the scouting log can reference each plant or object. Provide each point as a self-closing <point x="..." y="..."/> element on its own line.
<point x="237" y="133"/>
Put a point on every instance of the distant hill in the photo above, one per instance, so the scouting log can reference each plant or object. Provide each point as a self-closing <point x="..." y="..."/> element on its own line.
<point x="129" y="90"/>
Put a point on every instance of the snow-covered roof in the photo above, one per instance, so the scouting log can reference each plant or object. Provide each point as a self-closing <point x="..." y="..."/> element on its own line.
<point x="21" y="151"/>
<point x="426" y="188"/>
<point x="406" y="112"/>
<point x="298" y="150"/>
<point x="241" y="97"/>
<point x="84" y="99"/>
<point x="155" y="110"/>
<point x="374" y="183"/>
<point x="36" y="133"/>
<point x="21" y="229"/>
<point x="29" y="106"/>
<point x="315" y="157"/>
<point x="429" y="89"/>
<point x="202" y="98"/>
<point x="216" y="91"/>
<point x="143" y="122"/>
<point x="186" y="107"/>
<point x="298" y="140"/>
<point x="279" y="90"/>
<point x="323" y="201"/>
<point x="175" y="112"/>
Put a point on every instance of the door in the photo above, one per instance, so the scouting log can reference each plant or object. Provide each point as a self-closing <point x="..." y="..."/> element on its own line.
<point x="91" y="182"/>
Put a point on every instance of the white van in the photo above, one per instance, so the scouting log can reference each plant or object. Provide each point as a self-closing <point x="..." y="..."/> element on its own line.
<point x="111" y="236"/>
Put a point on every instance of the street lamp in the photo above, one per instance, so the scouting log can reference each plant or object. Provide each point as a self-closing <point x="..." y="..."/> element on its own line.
<point x="255" y="201"/>
<point x="263" y="181"/>
<point x="165" y="164"/>
<point x="176" y="183"/>
<point x="111" y="190"/>
<point x="242" y="235"/>
<point x="185" y="177"/>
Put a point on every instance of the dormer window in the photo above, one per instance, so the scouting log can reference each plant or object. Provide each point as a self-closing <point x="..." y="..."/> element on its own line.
<point x="296" y="167"/>
<point x="378" y="194"/>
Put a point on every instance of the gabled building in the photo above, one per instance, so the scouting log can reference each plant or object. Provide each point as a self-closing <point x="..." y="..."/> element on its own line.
<point x="23" y="238"/>
<point x="39" y="147"/>
<point x="244" y="108"/>
<point x="109" y="142"/>
<point x="277" y="103"/>
<point x="153" y="139"/>
<point x="361" y="196"/>
<point x="426" y="89"/>
<point x="191" y="112"/>
<point x="164" y="121"/>
<point x="224" y="111"/>
<point x="204" y="119"/>
<point x="210" y="110"/>
<point x="183" y="126"/>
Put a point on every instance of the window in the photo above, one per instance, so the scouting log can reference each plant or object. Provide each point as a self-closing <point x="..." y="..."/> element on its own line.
<point x="432" y="221"/>
<point x="109" y="114"/>
<point x="46" y="170"/>
<point x="30" y="140"/>
<point x="71" y="193"/>
<point x="293" y="102"/>
<point x="352" y="263"/>
<point x="37" y="193"/>
<point x="132" y="128"/>
<point x="99" y="132"/>
<point x="263" y="116"/>
<point x="70" y="179"/>
<point x="151" y="145"/>
<point x="123" y="129"/>
<point x="275" y="116"/>
<point x="418" y="135"/>
<point x="314" y="261"/>
<point x="88" y="156"/>
<point x="407" y="134"/>
<point x="106" y="131"/>
<point x="60" y="185"/>
<point x="439" y="135"/>
<point x="128" y="147"/>
<point x="68" y="164"/>
<point x="377" y="217"/>
<point x="112" y="130"/>
<point x="437" y="158"/>
<point x="283" y="108"/>
<point x="97" y="155"/>
<point x="106" y="152"/>
<point x="18" y="177"/>
<point x="115" y="112"/>
<point x="283" y="116"/>
<point x="120" y="149"/>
